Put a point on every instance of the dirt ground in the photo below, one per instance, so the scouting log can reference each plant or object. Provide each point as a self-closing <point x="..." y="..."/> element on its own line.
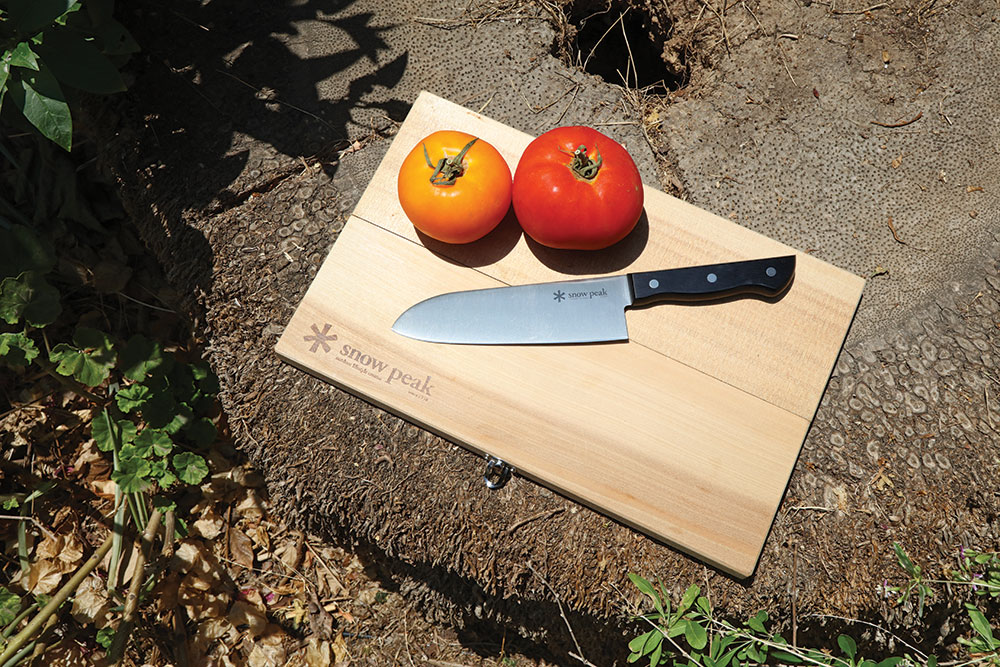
<point x="861" y="134"/>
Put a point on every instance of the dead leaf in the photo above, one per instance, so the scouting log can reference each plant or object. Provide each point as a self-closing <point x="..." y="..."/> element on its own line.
<point x="896" y="162"/>
<point x="189" y="556"/>
<point x="49" y="548"/>
<point x="250" y="506"/>
<point x="72" y="552"/>
<point x="90" y="604"/>
<point x="199" y="600"/>
<point x="291" y="554"/>
<point x="974" y="188"/>
<point x="240" y="548"/>
<point x="317" y="653"/>
<point x="88" y="451"/>
<point x="885" y="57"/>
<point x="268" y="651"/>
<point x="208" y="526"/>
<point x="341" y="656"/>
<point x="247" y="618"/>
<point x="42" y="577"/>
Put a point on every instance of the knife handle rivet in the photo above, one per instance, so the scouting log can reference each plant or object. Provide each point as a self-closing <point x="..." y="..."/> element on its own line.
<point x="711" y="277"/>
<point x="654" y="283"/>
<point x="771" y="271"/>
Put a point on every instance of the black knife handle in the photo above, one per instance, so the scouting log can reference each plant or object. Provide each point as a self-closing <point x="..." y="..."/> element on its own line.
<point x="763" y="277"/>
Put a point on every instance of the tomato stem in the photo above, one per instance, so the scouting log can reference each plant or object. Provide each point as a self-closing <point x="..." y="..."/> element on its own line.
<point x="583" y="166"/>
<point x="448" y="169"/>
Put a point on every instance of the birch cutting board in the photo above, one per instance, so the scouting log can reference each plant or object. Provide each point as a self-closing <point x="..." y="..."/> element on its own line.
<point x="687" y="432"/>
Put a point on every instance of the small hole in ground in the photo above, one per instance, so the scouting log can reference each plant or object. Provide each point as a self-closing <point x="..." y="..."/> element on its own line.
<point x="622" y="45"/>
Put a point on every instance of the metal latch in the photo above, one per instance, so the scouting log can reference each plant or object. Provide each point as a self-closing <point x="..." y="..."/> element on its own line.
<point x="497" y="473"/>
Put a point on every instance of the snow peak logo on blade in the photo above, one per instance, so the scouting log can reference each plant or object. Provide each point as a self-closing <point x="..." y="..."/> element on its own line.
<point x="559" y="296"/>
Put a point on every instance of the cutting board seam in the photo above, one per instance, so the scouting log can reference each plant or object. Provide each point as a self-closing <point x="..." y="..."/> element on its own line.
<point x="630" y="340"/>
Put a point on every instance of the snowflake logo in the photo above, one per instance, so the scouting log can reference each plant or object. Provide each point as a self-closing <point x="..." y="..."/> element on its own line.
<point x="559" y="295"/>
<point x="320" y="338"/>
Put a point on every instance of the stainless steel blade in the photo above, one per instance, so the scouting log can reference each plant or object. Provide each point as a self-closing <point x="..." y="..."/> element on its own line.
<point x="575" y="311"/>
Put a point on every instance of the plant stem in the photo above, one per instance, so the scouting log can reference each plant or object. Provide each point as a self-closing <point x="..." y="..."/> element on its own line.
<point x="117" y="651"/>
<point x="17" y="621"/>
<point x="117" y="536"/>
<point x="70" y="383"/>
<point x="36" y="623"/>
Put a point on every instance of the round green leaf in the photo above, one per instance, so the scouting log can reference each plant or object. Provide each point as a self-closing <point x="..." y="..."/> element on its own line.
<point x="10" y="606"/>
<point x="133" y="397"/>
<point x="191" y="468"/>
<point x="142" y="356"/>
<point x="154" y="441"/>
<point x="105" y="432"/>
<point x="22" y="250"/>
<point x="132" y="474"/>
<point x="201" y="432"/>
<point x="16" y="349"/>
<point x="89" y="361"/>
<point x="31" y="297"/>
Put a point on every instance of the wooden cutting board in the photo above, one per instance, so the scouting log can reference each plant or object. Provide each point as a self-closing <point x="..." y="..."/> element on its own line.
<point x="687" y="432"/>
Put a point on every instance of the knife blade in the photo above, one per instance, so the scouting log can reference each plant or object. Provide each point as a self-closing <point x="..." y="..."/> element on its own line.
<point x="591" y="310"/>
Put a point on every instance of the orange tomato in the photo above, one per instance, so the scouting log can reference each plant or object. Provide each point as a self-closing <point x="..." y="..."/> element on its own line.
<point x="454" y="187"/>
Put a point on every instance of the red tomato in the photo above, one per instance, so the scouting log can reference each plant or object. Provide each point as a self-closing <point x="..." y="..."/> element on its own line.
<point x="575" y="188"/>
<point x="454" y="187"/>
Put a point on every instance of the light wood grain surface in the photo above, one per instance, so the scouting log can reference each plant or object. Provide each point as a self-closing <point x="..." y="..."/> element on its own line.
<point x="688" y="432"/>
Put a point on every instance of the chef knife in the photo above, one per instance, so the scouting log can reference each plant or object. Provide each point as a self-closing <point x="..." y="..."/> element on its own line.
<point x="582" y="311"/>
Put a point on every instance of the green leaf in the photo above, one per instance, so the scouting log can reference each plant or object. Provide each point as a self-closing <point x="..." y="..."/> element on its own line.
<point x="932" y="661"/>
<point x="131" y="475"/>
<point x="90" y="361"/>
<point x="105" y="433"/>
<point x="637" y="644"/>
<point x="191" y="468"/>
<point x="31" y="297"/>
<point x="105" y="636"/>
<point x="159" y="471"/>
<point x="206" y="379"/>
<point x="904" y="561"/>
<point x="41" y="100"/>
<point x="16" y="349"/>
<point x="980" y="624"/>
<point x="892" y="662"/>
<point x="756" y="622"/>
<point x="164" y="504"/>
<point x="785" y="656"/>
<point x="77" y="63"/>
<point x="201" y="432"/>
<point x="154" y="441"/>
<point x="181" y="417"/>
<point x="690" y="595"/>
<point x="29" y="16"/>
<point x="22" y="250"/>
<point x="704" y="605"/>
<point x="133" y="397"/>
<point x="141" y="357"/>
<point x="696" y="636"/>
<point x="23" y="56"/>
<point x="847" y="646"/>
<point x="10" y="606"/>
<point x="728" y="656"/>
<point x="654" y="657"/>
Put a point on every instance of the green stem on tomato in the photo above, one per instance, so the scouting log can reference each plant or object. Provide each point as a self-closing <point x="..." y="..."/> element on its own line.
<point x="583" y="166"/>
<point x="448" y="169"/>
